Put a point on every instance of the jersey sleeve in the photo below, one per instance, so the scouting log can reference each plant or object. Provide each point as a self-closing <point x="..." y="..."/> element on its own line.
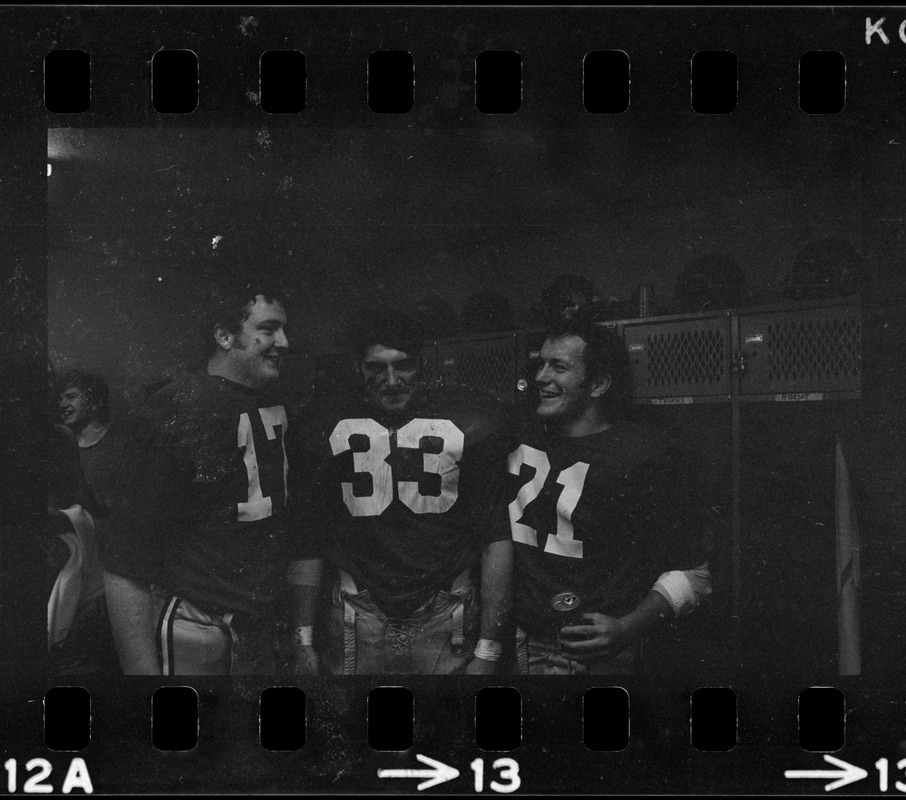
<point x="155" y="472"/>
<point x="67" y="485"/>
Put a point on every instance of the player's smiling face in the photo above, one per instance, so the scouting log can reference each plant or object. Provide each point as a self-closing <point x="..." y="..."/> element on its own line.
<point x="564" y="393"/>
<point x="73" y="407"/>
<point x="258" y="347"/>
<point x="389" y="376"/>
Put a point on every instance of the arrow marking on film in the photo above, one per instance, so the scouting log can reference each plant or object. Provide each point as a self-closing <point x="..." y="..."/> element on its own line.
<point x="439" y="772"/>
<point x="848" y="773"/>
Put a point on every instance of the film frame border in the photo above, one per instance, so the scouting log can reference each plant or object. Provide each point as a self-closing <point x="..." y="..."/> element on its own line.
<point x="120" y="80"/>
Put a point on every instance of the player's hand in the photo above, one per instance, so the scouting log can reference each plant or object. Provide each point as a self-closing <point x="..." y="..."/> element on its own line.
<point x="481" y="666"/>
<point x="600" y="639"/>
<point x="306" y="661"/>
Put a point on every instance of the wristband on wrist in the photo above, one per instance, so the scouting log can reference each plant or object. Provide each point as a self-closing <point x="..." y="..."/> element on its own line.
<point x="684" y="590"/>
<point x="304" y="635"/>
<point x="488" y="650"/>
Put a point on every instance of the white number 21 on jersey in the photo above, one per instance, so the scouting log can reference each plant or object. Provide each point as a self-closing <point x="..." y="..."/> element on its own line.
<point x="572" y="479"/>
<point x="374" y="462"/>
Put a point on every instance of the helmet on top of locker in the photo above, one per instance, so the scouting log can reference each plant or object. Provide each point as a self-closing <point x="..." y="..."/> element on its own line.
<point x="437" y="316"/>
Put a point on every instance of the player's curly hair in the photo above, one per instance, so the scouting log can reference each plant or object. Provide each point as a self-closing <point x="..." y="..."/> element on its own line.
<point x="228" y="302"/>
<point x="561" y="292"/>
<point x="385" y="326"/>
<point x="605" y="354"/>
<point x="95" y="389"/>
<point x="242" y="264"/>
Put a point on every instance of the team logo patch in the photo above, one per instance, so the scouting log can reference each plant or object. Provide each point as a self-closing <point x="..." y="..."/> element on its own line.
<point x="566" y="601"/>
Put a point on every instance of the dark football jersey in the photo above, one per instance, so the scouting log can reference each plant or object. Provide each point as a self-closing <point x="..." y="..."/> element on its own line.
<point x="598" y="518"/>
<point x="402" y="503"/>
<point x="66" y="483"/>
<point x="202" y="511"/>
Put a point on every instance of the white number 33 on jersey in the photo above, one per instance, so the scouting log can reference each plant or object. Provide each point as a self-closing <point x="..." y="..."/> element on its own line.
<point x="374" y="462"/>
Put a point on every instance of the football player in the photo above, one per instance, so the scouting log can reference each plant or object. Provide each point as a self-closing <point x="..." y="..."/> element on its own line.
<point x="604" y="526"/>
<point x="401" y="498"/>
<point x="198" y="543"/>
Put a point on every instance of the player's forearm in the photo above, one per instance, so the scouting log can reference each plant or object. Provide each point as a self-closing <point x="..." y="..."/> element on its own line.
<point x="651" y="613"/>
<point x="496" y="588"/>
<point x="131" y="611"/>
<point x="304" y="577"/>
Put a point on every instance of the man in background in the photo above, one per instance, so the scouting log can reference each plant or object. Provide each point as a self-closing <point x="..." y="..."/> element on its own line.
<point x="78" y="633"/>
<point x="85" y="409"/>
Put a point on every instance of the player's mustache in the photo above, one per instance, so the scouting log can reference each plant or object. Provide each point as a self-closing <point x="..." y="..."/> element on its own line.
<point x="408" y="388"/>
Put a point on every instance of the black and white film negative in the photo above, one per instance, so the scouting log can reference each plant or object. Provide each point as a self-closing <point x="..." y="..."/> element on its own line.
<point x="454" y="400"/>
